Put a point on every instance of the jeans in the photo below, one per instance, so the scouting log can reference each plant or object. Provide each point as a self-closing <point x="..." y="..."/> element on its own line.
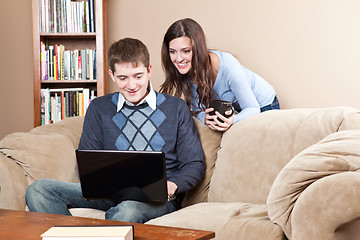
<point x="274" y="105"/>
<point x="52" y="196"/>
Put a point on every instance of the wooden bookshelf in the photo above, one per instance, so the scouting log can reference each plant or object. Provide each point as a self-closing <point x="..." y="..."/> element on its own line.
<point x="89" y="40"/>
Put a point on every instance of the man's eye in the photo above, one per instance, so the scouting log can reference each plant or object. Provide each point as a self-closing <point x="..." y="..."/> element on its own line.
<point x="122" y="79"/>
<point x="138" y="76"/>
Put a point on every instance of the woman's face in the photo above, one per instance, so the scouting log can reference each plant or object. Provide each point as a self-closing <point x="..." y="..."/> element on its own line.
<point x="180" y="51"/>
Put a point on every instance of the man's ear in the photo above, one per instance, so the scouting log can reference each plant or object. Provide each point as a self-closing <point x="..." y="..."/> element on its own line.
<point x="111" y="75"/>
<point x="150" y="70"/>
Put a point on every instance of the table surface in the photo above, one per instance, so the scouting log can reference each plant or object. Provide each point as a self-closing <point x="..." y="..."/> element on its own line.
<point x="22" y="225"/>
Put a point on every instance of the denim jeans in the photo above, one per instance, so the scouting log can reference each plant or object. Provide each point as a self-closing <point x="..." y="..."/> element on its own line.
<point x="274" y="105"/>
<point x="52" y="196"/>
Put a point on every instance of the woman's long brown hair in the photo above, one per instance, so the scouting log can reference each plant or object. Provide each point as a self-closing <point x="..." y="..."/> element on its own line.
<point x="177" y="84"/>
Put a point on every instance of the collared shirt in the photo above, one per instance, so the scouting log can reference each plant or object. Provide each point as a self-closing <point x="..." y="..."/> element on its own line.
<point x="150" y="99"/>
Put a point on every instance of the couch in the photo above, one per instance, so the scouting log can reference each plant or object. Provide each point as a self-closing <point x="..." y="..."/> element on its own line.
<point x="280" y="174"/>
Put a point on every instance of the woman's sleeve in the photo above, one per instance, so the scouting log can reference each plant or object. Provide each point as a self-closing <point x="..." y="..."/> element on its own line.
<point x="239" y="80"/>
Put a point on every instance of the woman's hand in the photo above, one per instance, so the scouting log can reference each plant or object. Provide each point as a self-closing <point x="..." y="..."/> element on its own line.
<point x="213" y="123"/>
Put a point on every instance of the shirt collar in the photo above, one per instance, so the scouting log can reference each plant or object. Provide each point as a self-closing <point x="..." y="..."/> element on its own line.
<point x="150" y="99"/>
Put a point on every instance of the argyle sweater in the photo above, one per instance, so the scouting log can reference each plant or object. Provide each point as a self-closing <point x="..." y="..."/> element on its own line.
<point x="170" y="129"/>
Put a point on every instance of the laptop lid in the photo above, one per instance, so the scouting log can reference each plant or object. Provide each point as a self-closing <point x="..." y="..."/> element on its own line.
<point x="122" y="175"/>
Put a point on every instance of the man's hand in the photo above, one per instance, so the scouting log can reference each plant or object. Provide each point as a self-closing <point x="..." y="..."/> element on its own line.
<point x="213" y="123"/>
<point x="172" y="187"/>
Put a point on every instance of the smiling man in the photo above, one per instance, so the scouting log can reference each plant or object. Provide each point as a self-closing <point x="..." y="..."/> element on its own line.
<point x="134" y="118"/>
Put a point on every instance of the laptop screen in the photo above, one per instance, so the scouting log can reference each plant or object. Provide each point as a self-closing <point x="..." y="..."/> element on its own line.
<point x="122" y="175"/>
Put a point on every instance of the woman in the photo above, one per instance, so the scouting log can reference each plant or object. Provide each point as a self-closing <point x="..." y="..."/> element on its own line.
<point x="197" y="73"/>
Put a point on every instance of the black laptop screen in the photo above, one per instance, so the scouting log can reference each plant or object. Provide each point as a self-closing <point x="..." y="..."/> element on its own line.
<point x="122" y="175"/>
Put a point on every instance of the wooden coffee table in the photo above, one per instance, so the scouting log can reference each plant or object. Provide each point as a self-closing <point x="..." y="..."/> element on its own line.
<point x="21" y="225"/>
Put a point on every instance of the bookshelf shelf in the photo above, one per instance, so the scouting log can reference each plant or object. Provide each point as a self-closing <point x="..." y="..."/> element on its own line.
<point x="88" y="43"/>
<point x="68" y="35"/>
<point x="68" y="81"/>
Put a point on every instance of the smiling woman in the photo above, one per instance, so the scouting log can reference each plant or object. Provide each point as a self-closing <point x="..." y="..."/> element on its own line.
<point x="201" y="75"/>
<point x="180" y="50"/>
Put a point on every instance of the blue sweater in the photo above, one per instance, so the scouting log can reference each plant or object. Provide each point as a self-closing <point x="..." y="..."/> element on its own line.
<point x="237" y="84"/>
<point x="170" y="128"/>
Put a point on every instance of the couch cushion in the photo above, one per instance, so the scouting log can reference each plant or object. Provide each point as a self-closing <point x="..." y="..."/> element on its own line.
<point x="210" y="142"/>
<point x="254" y="150"/>
<point x="335" y="154"/>
<point x="87" y="212"/>
<point x="227" y="220"/>
<point x="47" y="151"/>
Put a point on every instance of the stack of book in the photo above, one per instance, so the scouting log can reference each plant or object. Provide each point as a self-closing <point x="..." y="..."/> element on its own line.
<point x="89" y="232"/>
<point x="57" y="104"/>
<point x="57" y="63"/>
<point x="66" y="16"/>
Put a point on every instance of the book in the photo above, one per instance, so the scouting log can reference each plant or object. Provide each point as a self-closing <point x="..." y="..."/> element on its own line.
<point x="60" y="103"/>
<point x="42" y="60"/>
<point x="51" y="63"/>
<point x="67" y="16"/>
<point x="67" y="65"/>
<point x="92" y="15"/>
<point x="61" y="69"/>
<point x="86" y="92"/>
<point x="87" y="14"/>
<point x="90" y="232"/>
<point x="83" y="63"/>
<point x="80" y="66"/>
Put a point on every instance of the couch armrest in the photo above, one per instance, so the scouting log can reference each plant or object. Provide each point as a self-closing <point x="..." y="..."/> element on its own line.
<point x="325" y="205"/>
<point x="44" y="152"/>
<point x="13" y="184"/>
<point x="336" y="154"/>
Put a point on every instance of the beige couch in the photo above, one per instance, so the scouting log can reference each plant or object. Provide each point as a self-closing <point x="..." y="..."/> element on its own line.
<point x="293" y="172"/>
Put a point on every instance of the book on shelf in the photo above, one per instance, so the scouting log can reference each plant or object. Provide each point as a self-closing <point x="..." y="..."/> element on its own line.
<point x="66" y="16"/>
<point x="57" y="104"/>
<point x="90" y="232"/>
<point x="58" y="63"/>
<point x="51" y="63"/>
<point x="92" y="15"/>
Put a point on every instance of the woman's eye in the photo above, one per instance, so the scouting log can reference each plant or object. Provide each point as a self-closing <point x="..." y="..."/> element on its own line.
<point x="171" y="51"/>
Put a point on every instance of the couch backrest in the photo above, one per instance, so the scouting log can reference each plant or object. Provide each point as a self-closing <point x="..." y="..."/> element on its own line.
<point x="210" y="142"/>
<point x="253" y="151"/>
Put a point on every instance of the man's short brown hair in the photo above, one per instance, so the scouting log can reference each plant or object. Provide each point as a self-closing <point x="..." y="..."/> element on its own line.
<point x="128" y="50"/>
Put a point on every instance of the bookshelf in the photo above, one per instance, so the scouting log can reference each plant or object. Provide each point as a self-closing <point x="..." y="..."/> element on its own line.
<point x="86" y="38"/>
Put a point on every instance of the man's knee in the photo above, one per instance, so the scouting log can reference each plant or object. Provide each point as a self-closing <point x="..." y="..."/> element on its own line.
<point x="127" y="211"/>
<point x="35" y="189"/>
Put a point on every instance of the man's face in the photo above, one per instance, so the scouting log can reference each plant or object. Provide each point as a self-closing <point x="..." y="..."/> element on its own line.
<point x="131" y="81"/>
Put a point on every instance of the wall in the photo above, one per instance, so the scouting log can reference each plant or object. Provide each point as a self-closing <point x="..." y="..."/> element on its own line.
<point x="308" y="50"/>
<point x="16" y="81"/>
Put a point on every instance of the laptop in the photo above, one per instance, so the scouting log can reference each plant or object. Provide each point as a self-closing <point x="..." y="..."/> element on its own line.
<point x="123" y="175"/>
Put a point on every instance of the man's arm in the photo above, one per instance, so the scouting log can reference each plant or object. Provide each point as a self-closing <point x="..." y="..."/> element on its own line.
<point x="190" y="153"/>
<point x="92" y="135"/>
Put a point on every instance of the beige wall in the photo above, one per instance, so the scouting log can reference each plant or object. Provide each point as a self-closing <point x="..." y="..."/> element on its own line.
<point x="16" y="79"/>
<point x="308" y="50"/>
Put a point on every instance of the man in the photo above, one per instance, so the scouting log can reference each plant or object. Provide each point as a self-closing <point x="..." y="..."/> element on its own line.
<point x="135" y="118"/>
